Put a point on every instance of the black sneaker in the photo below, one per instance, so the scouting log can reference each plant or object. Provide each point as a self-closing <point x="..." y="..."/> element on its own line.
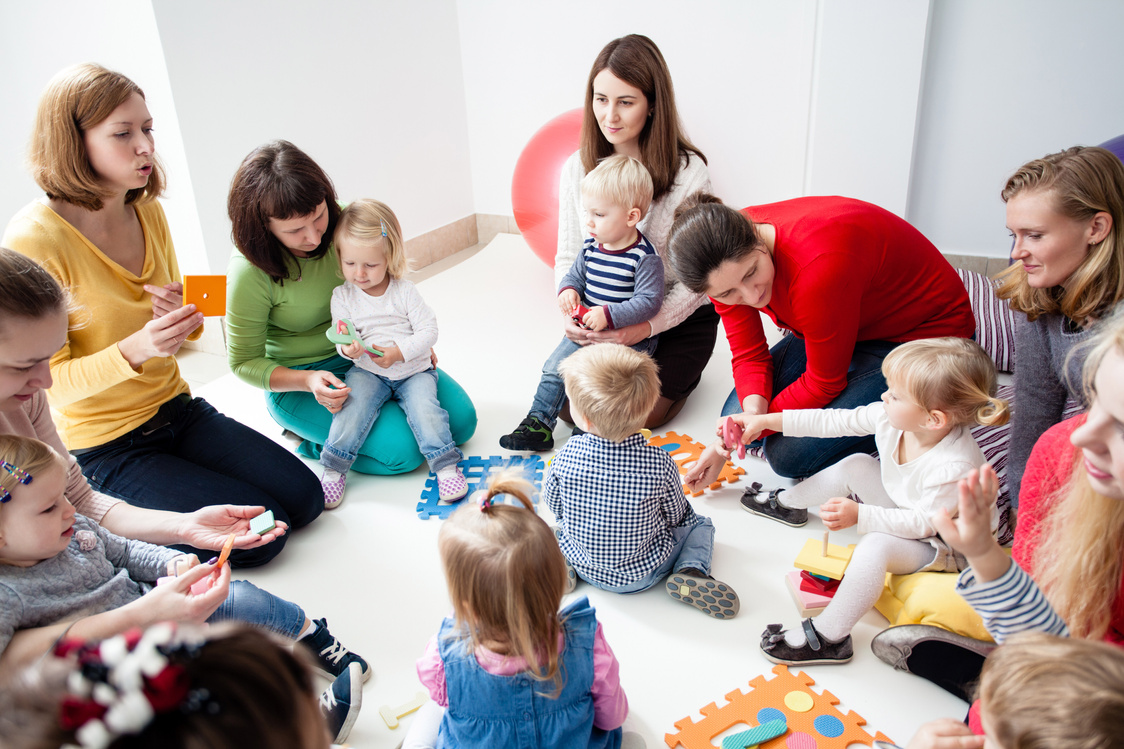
<point x="330" y="658"/>
<point x="771" y="508"/>
<point x="696" y="588"/>
<point x="531" y="434"/>
<point x="340" y="703"/>
<point x="815" y="650"/>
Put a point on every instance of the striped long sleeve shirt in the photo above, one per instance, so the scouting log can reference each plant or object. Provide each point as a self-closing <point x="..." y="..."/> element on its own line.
<point x="1010" y="604"/>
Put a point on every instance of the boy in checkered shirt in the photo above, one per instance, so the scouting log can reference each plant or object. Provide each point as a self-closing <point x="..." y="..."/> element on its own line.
<point x="624" y="523"/>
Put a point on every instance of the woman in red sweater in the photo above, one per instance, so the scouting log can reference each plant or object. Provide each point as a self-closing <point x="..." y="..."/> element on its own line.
<point x="849" y="279"/>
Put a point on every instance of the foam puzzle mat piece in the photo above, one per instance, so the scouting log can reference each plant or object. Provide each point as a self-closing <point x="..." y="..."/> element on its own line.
<point x="821" y="726"/>
<point x="476" y="471"/>
<point x="684" y="450"/>
<point x="833" y="565"/>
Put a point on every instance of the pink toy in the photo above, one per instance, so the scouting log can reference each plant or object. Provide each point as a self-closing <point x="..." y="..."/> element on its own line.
<point x="732" y="436"/>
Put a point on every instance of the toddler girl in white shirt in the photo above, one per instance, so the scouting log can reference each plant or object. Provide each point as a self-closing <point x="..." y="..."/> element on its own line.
<point x="397" y="330"/>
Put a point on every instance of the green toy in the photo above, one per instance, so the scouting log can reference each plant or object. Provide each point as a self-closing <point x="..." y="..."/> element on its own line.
<point x="345" y="334"/>
<point x="263" y="523"/>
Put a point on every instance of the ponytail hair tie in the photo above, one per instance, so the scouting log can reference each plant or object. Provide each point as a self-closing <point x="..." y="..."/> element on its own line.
<point x="486" y="500"/>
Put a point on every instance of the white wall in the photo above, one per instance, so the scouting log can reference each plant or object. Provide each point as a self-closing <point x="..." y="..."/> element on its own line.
<point x="373" y="91"/>
<point x="1008" y="81"/>
<point x="37" y="39"/>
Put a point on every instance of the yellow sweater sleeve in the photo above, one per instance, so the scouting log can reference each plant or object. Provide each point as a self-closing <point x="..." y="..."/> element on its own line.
<point x="96" y="394"/>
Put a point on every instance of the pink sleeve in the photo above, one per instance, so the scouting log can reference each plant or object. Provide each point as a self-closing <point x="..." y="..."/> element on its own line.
<point x="431" y="672"/>
<point x="610" y="705"/>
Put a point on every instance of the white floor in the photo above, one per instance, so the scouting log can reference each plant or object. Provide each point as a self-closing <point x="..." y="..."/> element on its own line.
<point x="371" y="567"/>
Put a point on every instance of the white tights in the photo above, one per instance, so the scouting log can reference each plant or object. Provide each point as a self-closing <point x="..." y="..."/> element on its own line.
<point x="875" y="555"/>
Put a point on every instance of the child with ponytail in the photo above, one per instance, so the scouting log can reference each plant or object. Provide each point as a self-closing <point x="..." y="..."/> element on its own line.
<point x="508" y="652"/>
<point x="938" y="388"/>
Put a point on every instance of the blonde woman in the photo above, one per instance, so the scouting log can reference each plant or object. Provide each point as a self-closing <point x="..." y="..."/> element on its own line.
<point x="1064" y="212"/>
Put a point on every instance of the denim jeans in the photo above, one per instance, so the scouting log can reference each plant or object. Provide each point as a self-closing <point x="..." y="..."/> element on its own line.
<point x="416" y="394"/>
<point x="200" y="458"/>
<point x="250" y="604"/>
<point x="694" y="547"/>
<point x="551" y="393"/>
<point x="390" y="448"/>
<point x="800" y="457"/>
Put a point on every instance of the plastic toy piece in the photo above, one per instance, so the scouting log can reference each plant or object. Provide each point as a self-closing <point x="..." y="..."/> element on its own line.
<point x="207" y="293"/>
<point x="754" y="736"/>
<point x="817" y="583"/>
<point x="809" y="603"/>
<point x="263" y="523"/>
<point x="579" y="314"/>
<point x="344" y="334"/>
<point x="685" y="451"/>
<point x="765" y="702"/>
<point x="476" y="471"/>
<point x="390" y="715"/>
<point x="226" y="548"/>
<point x="732" y="436"/>
<point x="833" y="565"/>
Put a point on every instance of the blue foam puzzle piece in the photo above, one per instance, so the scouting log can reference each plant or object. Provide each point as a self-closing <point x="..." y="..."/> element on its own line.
<point x="755" y="736"/>
<point x="476" y="471"/>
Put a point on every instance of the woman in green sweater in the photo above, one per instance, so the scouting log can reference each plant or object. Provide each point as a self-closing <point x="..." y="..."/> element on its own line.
<point x="284" y="210"/>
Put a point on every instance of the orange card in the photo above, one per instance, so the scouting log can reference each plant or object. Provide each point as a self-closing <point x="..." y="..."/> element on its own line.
<point x="225" y="553"/>
<point x="207" y="293"/>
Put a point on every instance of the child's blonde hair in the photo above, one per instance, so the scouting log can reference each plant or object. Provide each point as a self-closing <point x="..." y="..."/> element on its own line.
<point x="506" y="575"/>
<point x="370" y="222"/>
<point x="622" y="180"/>
<point x="613" y="386"/>
<point x="953" y="375"/>
<point x="26" y="455"/>
<point x="1046" y="692"/>
<point x="1078" y="561"/>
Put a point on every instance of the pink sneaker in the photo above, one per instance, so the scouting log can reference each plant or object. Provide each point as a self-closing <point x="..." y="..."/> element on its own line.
<point x="333" y="491"/>
<point x="452" y="488"/>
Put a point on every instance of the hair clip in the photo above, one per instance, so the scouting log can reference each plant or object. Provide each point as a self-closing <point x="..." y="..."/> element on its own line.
<point x="382" y="225"/>
<point x="20" y="475"/>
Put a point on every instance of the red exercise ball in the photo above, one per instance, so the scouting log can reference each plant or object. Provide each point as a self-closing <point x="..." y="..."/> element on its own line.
<point x="534" y="186"/>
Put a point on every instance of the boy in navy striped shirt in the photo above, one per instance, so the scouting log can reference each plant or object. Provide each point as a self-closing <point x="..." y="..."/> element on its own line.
<point x="617" y="275"/>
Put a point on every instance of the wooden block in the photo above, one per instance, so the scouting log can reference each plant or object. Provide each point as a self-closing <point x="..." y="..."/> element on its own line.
<point x="833" y="565"/>
<point x="809" y="604"/>
<point x="207" y="293"/>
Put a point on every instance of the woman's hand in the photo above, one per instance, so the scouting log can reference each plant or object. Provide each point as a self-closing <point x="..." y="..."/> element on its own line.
<point x="161" y="336"/>
<point x="628" y="335"/>
<point x="329" y="390"/>
<point x="838" y="513"/>
<point x="970" y="532"/>
<point x="165" y="299"/>
<point x="706" y="469"/>
<point x="945" y="733"/>
<point x="575" y="332"/>
<point x="210" y="526"/>
<point x="390" y="355"/>
<point x="174" y="601"/>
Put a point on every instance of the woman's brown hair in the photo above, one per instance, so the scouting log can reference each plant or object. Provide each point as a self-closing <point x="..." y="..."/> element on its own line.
<point x="1083" y="181"/>
<point x="77" y="99"/>
<point x="706" y="233"/>
<point x="637" y="61"/>
<point x="279" y="181"/>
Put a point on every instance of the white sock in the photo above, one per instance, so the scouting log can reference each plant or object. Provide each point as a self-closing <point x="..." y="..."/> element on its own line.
<point x="312" y="627"/>
<point x="447" y="472"/>
<point x="330" y="475"/>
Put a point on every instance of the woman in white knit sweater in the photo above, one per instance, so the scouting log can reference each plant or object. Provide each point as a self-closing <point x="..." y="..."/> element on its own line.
<point x="630" y="109"/>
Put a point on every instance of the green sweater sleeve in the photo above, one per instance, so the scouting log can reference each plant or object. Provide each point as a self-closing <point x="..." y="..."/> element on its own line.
<point x="270" y="325"/>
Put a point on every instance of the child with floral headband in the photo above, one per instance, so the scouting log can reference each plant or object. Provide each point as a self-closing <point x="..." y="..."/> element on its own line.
<point x="168" y="686"/>
<point x="61" y="573"/>
<point x="508" y="666"/>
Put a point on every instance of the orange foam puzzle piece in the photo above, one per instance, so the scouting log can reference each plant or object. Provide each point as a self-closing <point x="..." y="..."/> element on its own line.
<point x="207" y="293"/>
<point x="684" y="450"/>
<point x="785" y="696"/>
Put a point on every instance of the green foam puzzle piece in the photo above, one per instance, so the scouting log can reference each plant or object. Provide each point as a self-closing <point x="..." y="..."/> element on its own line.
<point x="263" y="523"/>
<point x="343" y="339"/>
<point x="768" y="730"/>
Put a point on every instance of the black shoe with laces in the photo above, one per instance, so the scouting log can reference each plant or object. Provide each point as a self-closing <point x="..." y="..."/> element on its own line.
<point x="340" y="703"/>
<point x="770" y="507"/>
<point x="531" y="435"/>
<point x="330" y="658"/>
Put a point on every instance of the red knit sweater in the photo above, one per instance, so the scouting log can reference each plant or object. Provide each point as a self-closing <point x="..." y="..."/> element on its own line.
<point x="846" y="271"/>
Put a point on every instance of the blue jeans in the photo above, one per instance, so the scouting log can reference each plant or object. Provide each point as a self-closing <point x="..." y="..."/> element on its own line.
<point x="199" y="458"/>
<point x="800" y="457"/>
<point x="694" y="547"/>
<point x="416" y="394"/>
<point x="551" y="393"/>
<point x="250" y="604"/>
<point x="389" y="448"/>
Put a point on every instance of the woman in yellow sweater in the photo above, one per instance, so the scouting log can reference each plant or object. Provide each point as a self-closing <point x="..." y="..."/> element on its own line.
<point x="123" y="409"/>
